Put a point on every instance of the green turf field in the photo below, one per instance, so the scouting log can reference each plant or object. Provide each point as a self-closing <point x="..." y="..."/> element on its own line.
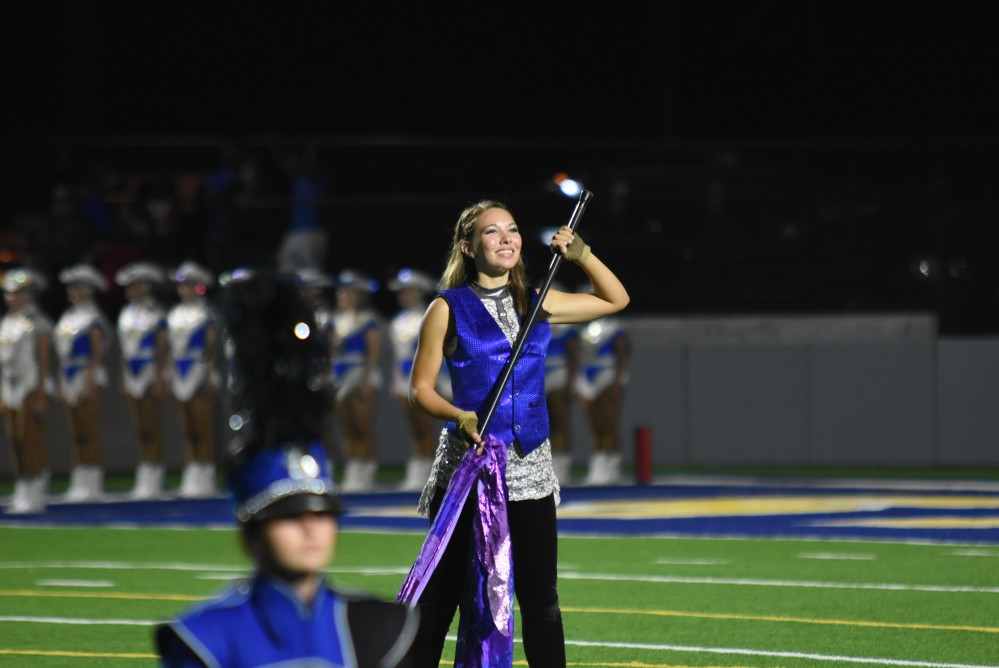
<point x="88" y="597"/>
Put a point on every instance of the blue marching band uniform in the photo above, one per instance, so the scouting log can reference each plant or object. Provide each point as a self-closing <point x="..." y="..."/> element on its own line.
<point x="258" y="621"/>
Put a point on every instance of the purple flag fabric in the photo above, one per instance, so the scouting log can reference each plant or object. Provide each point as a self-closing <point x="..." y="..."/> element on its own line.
<point x="485" y="627"/>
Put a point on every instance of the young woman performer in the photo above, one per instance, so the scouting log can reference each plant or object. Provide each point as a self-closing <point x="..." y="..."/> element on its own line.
<point x="412" y="289"/>
<point x="142" y="336"/>
<point x="357" y="332"/>
<point x="25" y="386"/>
<point x="472" y="326"/>
<point x="81" y="336"/>
<point x="561" y="366"/>
<point x="600" y="384"/>
<point x="194" y="376"/>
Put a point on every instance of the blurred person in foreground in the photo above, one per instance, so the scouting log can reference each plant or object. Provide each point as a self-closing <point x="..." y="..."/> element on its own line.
<point x="82" y="338"/>
<point x="286" y="613"/>
<point x="25" y="385"/>
<point x="142" y="336"/>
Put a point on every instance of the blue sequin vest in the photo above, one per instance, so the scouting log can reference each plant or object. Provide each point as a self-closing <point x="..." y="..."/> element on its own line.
<point x="481" y="351"/>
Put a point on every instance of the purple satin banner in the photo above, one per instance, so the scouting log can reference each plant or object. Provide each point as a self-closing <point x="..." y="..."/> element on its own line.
<point x="485" y="627"/>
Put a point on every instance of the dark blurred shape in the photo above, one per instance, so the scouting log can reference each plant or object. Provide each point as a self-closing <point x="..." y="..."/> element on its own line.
<point x="277" y="361"/>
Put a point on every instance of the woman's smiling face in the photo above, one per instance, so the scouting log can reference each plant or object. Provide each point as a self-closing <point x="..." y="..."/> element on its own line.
<point x="495" y="243"/>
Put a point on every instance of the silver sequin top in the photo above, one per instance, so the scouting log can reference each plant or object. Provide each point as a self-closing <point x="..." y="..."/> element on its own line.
<point x="527" y="477"/>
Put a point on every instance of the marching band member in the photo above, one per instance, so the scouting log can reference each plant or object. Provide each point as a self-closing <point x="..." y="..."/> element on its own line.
<point x="82" y="337"/>
<point x="357" y="377"/>
<point x="412" y="289"/>
<point x="602" y="377"/>
<point x="194" y="378"/>
<point x="561" y="366"/>
<point x="142" y="336"/>
<point x="25" y="386"/>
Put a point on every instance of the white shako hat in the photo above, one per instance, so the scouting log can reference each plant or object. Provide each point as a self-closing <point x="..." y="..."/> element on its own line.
<point x="84" y="274"/>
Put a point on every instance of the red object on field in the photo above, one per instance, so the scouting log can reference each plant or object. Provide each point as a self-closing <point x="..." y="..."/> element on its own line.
<point x="643" y="455"/>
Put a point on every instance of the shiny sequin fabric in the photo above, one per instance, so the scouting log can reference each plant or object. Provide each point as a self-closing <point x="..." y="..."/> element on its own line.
<point x="527" y="477"/>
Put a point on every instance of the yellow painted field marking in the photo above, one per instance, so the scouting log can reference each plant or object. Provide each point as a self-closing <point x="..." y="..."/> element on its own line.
<point x="81" y="655"/>
<point x="768" y="505"/>
<point x="796" y="620"/>
<point x="932" y="522"/>
<point x="105" y="594"/>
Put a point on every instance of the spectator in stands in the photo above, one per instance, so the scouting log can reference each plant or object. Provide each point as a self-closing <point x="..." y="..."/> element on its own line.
<point x="304" y="243"/>
<point x="60" y="238"/>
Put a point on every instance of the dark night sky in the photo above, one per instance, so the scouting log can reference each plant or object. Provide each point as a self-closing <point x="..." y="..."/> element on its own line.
<point x="681" y="69"/>
<point x="908" y="88"/>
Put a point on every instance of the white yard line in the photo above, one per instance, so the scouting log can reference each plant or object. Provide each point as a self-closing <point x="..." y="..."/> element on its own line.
<point x="880" y="661"/>
<point x="770" y="653"/>
<point x="836" y="555"/>
<point x="566" y="574"/>
<point x="75" y="583"/>
<point x="975" y="553"/>
<point x="79" y="621"/>
<point x="240" y="570"/>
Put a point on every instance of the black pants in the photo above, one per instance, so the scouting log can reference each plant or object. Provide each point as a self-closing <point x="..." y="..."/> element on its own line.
<point x="534" y="539"/>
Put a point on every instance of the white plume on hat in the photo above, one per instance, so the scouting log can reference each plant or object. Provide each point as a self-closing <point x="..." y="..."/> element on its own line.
<point x="21" y="278"/>
<point x="349" y="278"/>
<point x="139" y="271"/>
<point x="193" y="272"/>
<point x="313" y="277"/>
<point x="412" y="278"/>
<point x="84" y="274"/>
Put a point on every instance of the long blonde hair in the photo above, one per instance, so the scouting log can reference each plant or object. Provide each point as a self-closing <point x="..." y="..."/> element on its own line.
<point x="460" y="268"/>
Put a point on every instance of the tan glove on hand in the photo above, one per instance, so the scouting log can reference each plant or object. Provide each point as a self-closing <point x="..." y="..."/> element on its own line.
<point x="468" y="423"/>
<point x="577" y="251"/>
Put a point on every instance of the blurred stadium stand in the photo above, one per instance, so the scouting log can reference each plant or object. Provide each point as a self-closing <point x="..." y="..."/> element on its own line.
<point x="693" y="227"/>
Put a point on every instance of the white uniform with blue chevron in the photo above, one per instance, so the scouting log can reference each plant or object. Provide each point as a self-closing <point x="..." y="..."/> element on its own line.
<point x="75" y="349"/>
<point x="138" y="325"/>
<point x="352" y="351"/>
<point x="188" y="324"/>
